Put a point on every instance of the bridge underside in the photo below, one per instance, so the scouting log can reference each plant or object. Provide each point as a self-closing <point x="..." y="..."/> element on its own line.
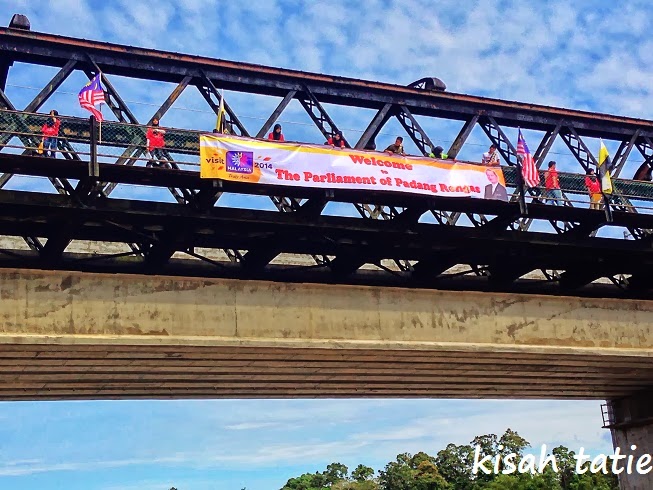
<point x="94" y="336"/>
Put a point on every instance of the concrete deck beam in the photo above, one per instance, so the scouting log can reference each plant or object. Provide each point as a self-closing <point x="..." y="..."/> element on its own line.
<point x="77" y="335"/>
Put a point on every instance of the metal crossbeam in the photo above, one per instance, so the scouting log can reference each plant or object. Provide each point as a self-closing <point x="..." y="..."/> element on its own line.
<point x="56" y="245"/>
<point x="645" y="147"/>
<point x="623" y="152"/>
<point x="578" y="148"/>
<point x="267" y="125"/>
<point x="464" y="133"/>
<point x="367" y="139"/>
<point x="318" y="114"/>
<point x="51" y="87"/>
<point x="213" y="97"/>
<point x="61" y="185"/>
<point x="131" y="154"/>
<point x="538" y="157"/>
<point x="414" y="130"/>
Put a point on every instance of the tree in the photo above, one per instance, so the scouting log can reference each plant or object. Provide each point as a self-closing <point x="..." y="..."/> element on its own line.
<point x="336" y="472"/>
<point x="362" y="473"/>
<point x="512" y="443"/>
<point x="566" y="465"/>
<point x="397" y="475"/>
<point x="524" y="481"/>
<point x="427" y="477"/>
<point x="307" y="481"/>
<point x="455" y="465"/>
<point x="418" y="472"/>
<point x="451" y="469"/>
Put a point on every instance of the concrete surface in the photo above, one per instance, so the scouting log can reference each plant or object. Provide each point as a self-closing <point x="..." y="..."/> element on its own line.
<point x="76" y="335"/>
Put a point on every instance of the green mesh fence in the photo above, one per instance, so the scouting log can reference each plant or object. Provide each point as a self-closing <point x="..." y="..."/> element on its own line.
<point x="128" y="142"/>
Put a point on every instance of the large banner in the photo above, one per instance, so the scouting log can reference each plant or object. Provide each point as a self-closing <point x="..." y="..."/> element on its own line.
<point x="303" y="165"/>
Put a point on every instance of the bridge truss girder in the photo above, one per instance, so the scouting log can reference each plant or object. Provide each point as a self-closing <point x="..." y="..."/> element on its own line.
<point x="312" y="95"/>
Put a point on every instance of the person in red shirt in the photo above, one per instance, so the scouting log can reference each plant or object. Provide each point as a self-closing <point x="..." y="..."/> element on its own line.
<point x="50" y="131"/>
<point x="155" y="141"/>
<point x="337" y="141"/>
<point x="276" y="134"/>
<point x="552" y="183"/>
<point x="594" y="189"/>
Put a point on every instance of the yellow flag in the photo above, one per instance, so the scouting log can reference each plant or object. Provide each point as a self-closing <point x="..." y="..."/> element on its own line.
<point x="220" y="122"/>
<point x="605" y="166"/>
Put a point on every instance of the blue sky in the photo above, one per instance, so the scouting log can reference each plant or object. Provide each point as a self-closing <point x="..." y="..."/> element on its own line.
<point x="586" y="54"/>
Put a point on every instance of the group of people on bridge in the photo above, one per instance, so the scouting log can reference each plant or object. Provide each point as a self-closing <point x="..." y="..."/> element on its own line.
<point x="155" y="143"/>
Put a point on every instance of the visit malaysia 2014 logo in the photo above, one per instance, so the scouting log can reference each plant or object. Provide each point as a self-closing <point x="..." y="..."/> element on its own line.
<point x="241" y="162"/>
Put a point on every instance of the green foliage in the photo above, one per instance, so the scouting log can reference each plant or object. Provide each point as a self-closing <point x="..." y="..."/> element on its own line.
<point x="362" y="473"/>
<point x="455" y="464"/>
<point x="418" y="472"/>
<point x="451" y="469"/>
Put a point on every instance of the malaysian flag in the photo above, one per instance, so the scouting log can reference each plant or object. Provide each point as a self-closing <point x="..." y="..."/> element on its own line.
<point x="92" y="94"/>
<point x="529" y="171"/>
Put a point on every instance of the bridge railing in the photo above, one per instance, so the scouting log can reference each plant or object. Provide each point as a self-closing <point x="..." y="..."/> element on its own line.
<point x="124" y="143"/>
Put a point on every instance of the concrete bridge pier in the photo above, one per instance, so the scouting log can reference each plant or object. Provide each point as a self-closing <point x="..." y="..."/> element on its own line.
<point x="631" y="424"/>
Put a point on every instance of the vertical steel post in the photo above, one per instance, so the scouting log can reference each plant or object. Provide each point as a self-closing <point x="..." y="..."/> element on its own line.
<point x="522" y="191"/>
<point x="608" y="209"/>
<point x="93" y="167"/>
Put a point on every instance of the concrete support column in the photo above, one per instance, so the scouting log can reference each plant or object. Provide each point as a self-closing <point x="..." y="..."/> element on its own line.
<point x="631" y="424"/>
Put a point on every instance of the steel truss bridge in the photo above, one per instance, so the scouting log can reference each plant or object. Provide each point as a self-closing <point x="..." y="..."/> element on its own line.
<point x="391" y="243"/>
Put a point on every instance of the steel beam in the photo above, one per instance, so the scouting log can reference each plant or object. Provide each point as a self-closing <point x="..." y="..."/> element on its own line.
<point x="172" y="98"/>
<point x="499" y="139"/>
<point x="212" y="96"/>
<point x="134" y="151"/>
<point x="579" y="277"/>
<point x="587" y="161"/>
<point x="578" y="148"/>
<point x="129" y="156"/>
<point x="318" y="114"/>
<point x="414" y="130"/>
<point x="32" y="47"/>
<point x="622" y="154"/>
<point x="645" y="147"/>
<point x="538" y="157"/>
<point x="464" y="133"/>
<point x="112" y="98"/>
<point x="367" y="139"/>
<point x="51" y="87"/>
<point x="546" y="144"/>
<point x="5" y="64"/>
<point x="267" y="125"/>
<point x="29" y="141"/>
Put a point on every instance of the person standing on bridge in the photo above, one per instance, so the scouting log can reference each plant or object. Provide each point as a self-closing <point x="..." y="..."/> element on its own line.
<point x="594" y="189"/>
<point x="276" y="134"/>
<point x="552" y="184"/>
<point x="491" y="158"/>
<point x="397" y="147"/>
<point x="50" y="131"/>
<point x="155" y="142"/>
<point x="437" y="153"/>
<point x="337" y="141"/>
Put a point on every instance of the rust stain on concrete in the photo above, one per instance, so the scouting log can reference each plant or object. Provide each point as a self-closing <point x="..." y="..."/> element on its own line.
<point x="71" y="304"/>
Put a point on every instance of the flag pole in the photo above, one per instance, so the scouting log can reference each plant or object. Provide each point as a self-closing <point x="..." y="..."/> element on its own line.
<point x="100" y="135"/>
<point x="520" y="181"/>
<point x="602" y="170"/>
<point x="100" y="85"/>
